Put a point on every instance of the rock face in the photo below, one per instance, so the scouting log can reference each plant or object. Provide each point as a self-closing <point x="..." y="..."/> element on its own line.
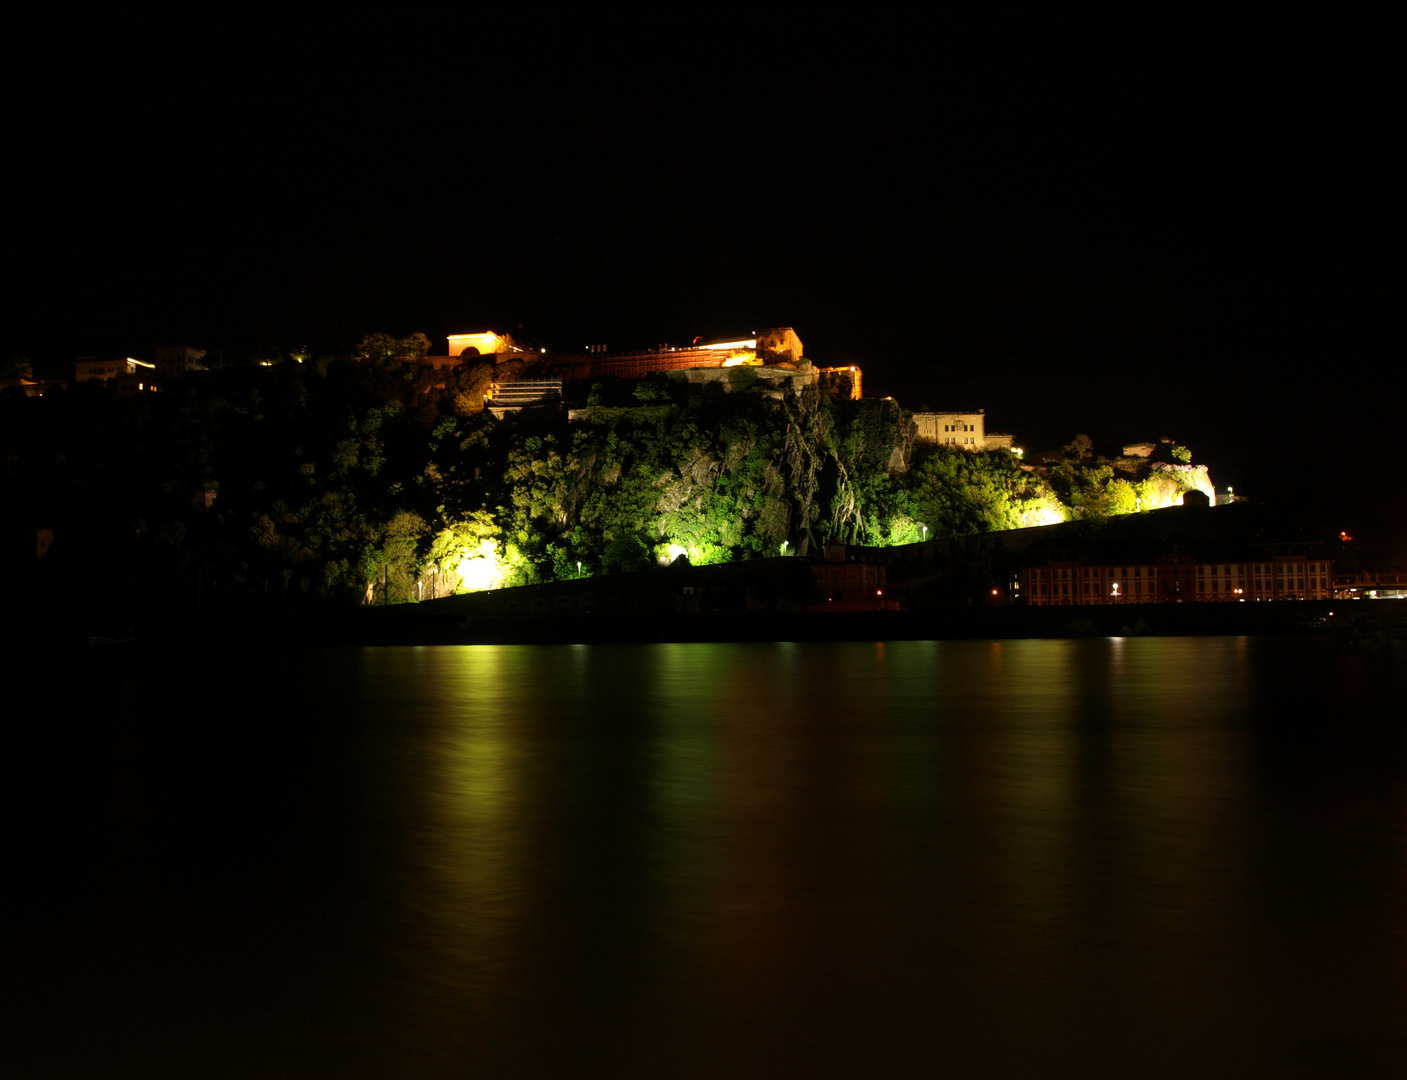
<point x="1187" y="477"/>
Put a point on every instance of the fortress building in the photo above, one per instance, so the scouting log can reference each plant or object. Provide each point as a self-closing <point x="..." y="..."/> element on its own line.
<point x="484" y="343"/>
<point x="960" y="430"/>
<point x="775" y="348"/>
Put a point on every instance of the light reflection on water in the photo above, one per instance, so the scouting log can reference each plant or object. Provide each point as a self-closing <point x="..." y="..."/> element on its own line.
<point x="700" y="852"/>
<point x="1098" y="857"/>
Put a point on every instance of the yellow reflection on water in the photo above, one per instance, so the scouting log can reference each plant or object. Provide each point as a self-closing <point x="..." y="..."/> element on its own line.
<point x="467" y="842"/>
<point x="1024" y="828"/>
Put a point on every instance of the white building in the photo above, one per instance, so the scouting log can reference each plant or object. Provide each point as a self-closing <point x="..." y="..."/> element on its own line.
<point x="90" y="367"/>
<point x="963" y="430"/>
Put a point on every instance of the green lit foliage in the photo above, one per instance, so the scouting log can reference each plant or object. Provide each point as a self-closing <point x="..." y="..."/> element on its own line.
<point x="1081" y="486"/>
<point x="1182" y="454"/>
<point x="469" y="384"/>
<point x="702" y="477"/>
<point x="650" y="391"/>
<point x="392" y="566"/>
<point x="1120" y="497"/>
<point x="331" y="482"/>
<point x="957" y="492"/>
<point x="807" y="420"/>
<point x="379" y="346"/>
<point x="469" y="554"/>
<point x="1163" y="487"/>
<point x="861" y="438"/>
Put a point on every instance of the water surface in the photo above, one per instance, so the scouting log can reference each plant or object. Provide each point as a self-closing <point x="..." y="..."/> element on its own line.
<point x="1150" y="856"/>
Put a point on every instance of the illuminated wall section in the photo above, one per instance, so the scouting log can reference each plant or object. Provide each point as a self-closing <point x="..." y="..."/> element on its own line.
<point x="841" y="382"/>
<point x="780" y="344"/>
<point x="966" y="431"/>
<point x="487" y="343"/>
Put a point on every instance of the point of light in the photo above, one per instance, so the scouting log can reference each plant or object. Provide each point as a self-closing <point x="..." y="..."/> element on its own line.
<point x="672" y="552"/>
<point x="479" y="568"/>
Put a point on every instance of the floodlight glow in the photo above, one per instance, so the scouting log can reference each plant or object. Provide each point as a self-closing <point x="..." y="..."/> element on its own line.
<point x="479" y="568"/>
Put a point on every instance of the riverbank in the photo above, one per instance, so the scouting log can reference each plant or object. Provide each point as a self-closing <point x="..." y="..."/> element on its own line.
<point x="434" y="624"/>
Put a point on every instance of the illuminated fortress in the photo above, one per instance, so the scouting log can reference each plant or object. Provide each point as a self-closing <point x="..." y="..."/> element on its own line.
<point x="779" y="350"/>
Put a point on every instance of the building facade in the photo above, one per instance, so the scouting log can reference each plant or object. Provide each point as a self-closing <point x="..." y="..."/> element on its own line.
<point x="484" y="343"/>
<point x="961" y="430"/>
<point x="90" y="367"/>
<point x="1260" y="572"/>
<point x="175" y="360"/>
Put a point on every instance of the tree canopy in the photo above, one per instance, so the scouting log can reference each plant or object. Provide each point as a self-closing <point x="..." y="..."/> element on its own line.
<point x="380" y="480"/>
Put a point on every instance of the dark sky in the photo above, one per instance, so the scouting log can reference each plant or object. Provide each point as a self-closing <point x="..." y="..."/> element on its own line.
<point x="1181" y="225"/>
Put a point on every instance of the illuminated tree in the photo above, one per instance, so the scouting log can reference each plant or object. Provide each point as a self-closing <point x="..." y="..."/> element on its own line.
<point x="378" y="347"/>
<point x="394" y="562"/>
<point x="469" y="384"/>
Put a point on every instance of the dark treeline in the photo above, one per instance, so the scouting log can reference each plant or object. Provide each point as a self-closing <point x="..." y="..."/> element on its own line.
<point x="341" y="483"/>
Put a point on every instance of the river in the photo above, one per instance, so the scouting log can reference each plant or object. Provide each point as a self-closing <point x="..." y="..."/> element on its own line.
<point x="1102" y="857"/>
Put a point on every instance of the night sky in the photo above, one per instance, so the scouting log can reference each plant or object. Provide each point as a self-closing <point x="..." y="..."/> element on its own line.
<point x="1184" y="226"/>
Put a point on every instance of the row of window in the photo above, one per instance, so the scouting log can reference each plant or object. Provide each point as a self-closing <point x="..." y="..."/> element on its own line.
<point x="1305" y="569"/>
<point x="1302" y="580"/>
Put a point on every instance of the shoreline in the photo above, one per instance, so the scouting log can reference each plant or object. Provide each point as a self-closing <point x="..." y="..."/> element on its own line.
<point x="411" y="624"/>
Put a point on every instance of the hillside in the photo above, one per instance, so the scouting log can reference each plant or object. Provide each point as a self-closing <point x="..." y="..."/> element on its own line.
<point x="342" y="483"/>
